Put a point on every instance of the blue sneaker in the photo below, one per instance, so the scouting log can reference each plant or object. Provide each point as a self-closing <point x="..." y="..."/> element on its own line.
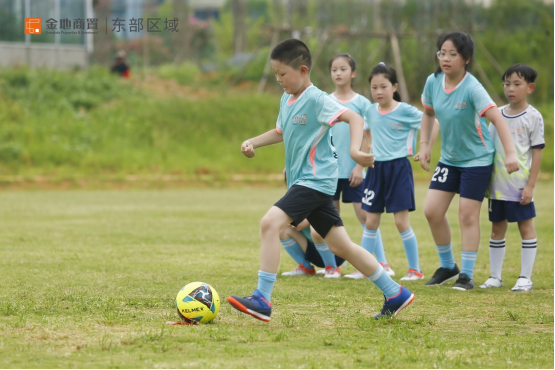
<point x="255" y="305"/>
<point x="394" y="305"/>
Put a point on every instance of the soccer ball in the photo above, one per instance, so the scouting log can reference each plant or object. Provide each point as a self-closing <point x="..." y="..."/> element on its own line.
<point x="197" y="302"/>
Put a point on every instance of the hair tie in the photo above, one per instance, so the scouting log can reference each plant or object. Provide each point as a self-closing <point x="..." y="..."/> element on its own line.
<point x="381" y="64"/>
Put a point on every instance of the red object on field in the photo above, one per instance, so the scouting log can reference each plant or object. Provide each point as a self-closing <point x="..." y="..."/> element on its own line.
<point x="126" y="74"/>
<point x="177" y="323"/>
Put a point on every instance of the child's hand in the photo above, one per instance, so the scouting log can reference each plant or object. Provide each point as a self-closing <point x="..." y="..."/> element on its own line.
<point x="355" y="179"/>
<point x="511" y="163"/>
<point x="363" y="159"/>
<point x="416" y="157"/>
<point x="247" y="149"/>
<point x="527" y="195"/>
<point x="424" y="156"/>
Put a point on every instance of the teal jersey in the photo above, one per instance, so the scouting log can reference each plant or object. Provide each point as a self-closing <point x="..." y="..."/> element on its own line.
<point x="306" y="233"/>
<point x="305" y="124"/>
<point x="341" y="134"/>
<point x="393" y="132"/>
<point x="465" y="138"/>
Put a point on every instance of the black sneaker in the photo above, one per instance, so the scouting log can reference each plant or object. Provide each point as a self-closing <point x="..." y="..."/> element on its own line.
<point x="443" y="275"/>
<point x="464" y="283"/>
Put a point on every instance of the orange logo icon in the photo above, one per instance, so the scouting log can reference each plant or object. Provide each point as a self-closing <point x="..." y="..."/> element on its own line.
<point x="33" y="26"/>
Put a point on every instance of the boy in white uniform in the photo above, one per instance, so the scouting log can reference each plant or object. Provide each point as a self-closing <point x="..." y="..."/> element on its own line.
<point x="511" y="196"/>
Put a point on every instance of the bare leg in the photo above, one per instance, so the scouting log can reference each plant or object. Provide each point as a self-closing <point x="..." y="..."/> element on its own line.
<point x="469" y="220"/>
<point x="435" y="208"/>
<point x="272" y="222"/>
<point x="341" y="245"/>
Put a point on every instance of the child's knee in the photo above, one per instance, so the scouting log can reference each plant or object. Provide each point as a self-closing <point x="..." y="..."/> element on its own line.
<point x="268" y="223"/>
<point x="284" y="233"/>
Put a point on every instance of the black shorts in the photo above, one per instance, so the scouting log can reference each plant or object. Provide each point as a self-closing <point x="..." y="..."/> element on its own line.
<point x="314" y="257"/>
<point x="301" y="202"/>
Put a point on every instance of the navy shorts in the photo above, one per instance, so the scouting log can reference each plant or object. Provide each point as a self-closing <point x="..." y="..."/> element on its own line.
<point x="301" y="203"/>
<point x="389" y="185"/>
<point x="350" y="195"/>
<point x="501" y="210"/>
<point x="469" y="182"/>
<point x="314" y="257"/>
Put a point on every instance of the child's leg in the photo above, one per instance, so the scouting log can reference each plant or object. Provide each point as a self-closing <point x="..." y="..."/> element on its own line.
<point x="408" y="237"/>
<point x="272" y="222"/>
<point x="497" y="247"/>
<point x="321" y="246"/>
<point x="295" y="243"/>
<point x="435" y="208"/>
<point x="341" y="245"/>
<point x="369" y="236"/>
<point x="469" y="221"/>
<point x="529" y="247"/>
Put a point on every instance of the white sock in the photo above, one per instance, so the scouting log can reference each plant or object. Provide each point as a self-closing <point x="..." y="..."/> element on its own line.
<point x="496" y="256"/>
<point x="528" y="256"/>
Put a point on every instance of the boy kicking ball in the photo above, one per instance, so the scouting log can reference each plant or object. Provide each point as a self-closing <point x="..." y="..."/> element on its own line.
<point x="305" y="117"/>
<point x="511" y="196"/>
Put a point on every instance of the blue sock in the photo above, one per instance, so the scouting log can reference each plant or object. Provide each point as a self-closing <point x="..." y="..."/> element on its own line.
<point x="296" y="252"/>
<point x="369" y="240"/>
<point x="325" y="253"/>
<point x="446" y="256"/>
<point x="386" y="284"/>
<point x="378" y="251"/>
<point x="266" y="282"/>
<point x="468" y="261"/>
<point x="411" y="248"/>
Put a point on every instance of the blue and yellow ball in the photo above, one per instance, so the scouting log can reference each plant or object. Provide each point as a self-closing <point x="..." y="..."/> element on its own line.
<point x="197" y="302"/>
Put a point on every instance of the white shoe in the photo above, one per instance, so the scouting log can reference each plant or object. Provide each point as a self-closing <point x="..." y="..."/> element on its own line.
<point x="413" y="275"/>
<point x="492" y="282"/>
<point x="387" y="268"/>
<point x="522" y="284"/>
<point x="299" y="271"/>
<point x="357" y="275"/>
<point x="332" y="272"/>
<point x="321" y="272"/>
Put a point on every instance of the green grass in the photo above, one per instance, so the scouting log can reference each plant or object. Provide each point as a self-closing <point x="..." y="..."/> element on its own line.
<point x="89" y="278"/>
<point x="89" y="125"/>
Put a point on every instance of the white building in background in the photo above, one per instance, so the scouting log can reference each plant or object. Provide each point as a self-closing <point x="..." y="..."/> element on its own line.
<point x="49" y="49"/>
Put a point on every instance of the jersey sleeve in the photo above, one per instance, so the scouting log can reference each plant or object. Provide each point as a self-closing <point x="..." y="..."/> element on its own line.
<point x="481" y="100"/>
<point x="427" y="94"/>
<point x="328" y="110"/>
<point x="414" y="117"/>
<point x="366" y="113"/>
<point x="536" y="129"/>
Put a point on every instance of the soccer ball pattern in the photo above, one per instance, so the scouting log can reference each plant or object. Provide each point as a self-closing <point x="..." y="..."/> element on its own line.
<point x="197" y="302"/>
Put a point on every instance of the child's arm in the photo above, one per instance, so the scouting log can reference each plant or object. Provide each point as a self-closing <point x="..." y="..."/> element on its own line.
<point x="528" y="192"/>
<point x="495" y="117"/>
<point x="426" y="128"/>
<point x="356" y="124"/>
<point x="267" y="138"/>
<point x="435" y="132"/>
<point x="356" y="176"/>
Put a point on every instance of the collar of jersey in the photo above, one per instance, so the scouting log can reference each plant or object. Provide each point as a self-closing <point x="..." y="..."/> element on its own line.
<point x="516" y="115"/>
<point x="294" y="101"/>
<point x="460" y="83"/>
<point x="344" y="101"/>
<point x="383" y="113"/>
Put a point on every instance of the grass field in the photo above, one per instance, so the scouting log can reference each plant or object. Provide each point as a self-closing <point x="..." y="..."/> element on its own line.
<point x="89" y="279"/>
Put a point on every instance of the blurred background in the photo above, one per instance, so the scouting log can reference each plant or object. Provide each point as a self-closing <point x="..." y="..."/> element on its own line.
<point x="193" y="93"/>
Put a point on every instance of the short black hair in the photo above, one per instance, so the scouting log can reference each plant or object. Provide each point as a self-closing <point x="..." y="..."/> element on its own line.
<point x="464" y="45"/>
<point x="524" y="71"/>
<point x="293" y="53"/>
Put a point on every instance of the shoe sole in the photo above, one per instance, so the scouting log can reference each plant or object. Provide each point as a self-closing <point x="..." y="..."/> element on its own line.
<point x="444" y="281"/>
<point x="240" y="307"/>
<point x="461" y="289"/>
<point x="489" y="286"/>
<point x="521" y="290"/>
<point x="353" y="277"/>
<point x="332" y="277"/>
<point x="411" y="279"/>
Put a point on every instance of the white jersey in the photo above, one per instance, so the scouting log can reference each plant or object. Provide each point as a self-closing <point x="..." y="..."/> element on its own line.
<point x="527" y="132"/>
